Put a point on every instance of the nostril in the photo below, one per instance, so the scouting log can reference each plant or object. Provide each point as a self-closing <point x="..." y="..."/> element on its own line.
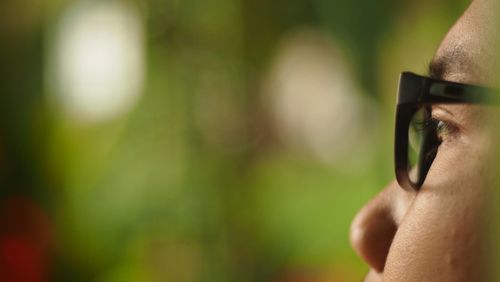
<point x="371" y="236"/>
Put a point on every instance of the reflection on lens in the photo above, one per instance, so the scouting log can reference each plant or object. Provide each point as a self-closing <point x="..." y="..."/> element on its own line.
<point x="423" y="143"/>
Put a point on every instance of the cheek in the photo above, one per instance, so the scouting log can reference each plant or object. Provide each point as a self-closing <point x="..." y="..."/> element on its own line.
<point x="463" y="167"/>
<point x="441" y="236"/>
<point x="436" y="243"/>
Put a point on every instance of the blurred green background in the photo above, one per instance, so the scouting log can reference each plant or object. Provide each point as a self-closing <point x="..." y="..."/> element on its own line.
<point x="216" y="140"/>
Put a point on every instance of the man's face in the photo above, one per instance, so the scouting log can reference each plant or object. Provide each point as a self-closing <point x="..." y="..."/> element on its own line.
<point x="438" y="233"/>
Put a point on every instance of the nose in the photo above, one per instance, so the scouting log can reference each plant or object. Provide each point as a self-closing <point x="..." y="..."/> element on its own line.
<point x="375" y="225"/>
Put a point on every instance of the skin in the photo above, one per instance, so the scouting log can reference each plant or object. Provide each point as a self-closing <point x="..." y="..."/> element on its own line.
<point x="440" y="232"/>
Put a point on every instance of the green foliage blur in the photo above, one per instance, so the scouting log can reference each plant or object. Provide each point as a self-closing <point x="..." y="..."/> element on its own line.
<point x="257" y="131"/>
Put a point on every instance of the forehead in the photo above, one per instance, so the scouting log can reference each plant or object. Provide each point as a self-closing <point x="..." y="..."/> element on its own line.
<point x="468" y="52"/>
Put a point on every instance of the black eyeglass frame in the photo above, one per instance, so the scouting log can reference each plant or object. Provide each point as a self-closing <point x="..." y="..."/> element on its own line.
<point x="414" y="92"/>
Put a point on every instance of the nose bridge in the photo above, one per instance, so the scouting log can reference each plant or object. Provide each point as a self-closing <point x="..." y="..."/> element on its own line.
<point x="375" y="225"/>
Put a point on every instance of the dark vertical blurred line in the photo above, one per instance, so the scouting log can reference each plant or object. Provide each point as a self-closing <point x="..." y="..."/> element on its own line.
<point x="22" y="181"/>
<point x="193" y="185"/>
<point x="202" y="182"/>
<point x="265" y="24"/>
<point x="20" y="107"/>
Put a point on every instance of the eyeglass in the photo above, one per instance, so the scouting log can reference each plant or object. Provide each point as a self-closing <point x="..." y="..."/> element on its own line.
<point x="416" y="136"/>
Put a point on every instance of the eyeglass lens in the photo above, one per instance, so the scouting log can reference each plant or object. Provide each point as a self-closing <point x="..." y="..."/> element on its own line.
<point x="423" y="144"/>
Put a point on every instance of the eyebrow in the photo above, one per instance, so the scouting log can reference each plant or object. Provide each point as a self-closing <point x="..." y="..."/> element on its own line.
<point x="453" y="61"/>
<point x="437" y="68"/>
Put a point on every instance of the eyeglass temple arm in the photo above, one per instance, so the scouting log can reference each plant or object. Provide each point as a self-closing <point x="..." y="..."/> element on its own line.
<point x="429" y="90"/>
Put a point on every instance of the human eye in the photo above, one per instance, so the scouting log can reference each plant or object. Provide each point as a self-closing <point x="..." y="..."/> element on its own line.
<point x="443" y="124"/>
<point x="424" y="123"/>
<point x="422" y="127"/>
<point x="431" y="126"/>
<point x="445" y="130"/>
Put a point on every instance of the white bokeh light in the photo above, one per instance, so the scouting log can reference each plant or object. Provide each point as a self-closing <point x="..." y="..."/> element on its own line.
<point x="316" y="103"/>
<point x="98" y="60"/>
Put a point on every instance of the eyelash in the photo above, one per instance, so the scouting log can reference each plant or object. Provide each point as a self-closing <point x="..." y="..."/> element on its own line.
<point x="444" y="129"/>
